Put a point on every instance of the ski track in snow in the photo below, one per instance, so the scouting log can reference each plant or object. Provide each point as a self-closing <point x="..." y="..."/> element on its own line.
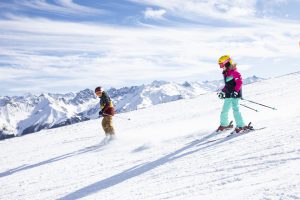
<point x="165" y="152"/>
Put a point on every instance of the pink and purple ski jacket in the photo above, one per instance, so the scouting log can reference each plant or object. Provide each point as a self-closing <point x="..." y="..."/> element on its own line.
<point x="233" y="82"/>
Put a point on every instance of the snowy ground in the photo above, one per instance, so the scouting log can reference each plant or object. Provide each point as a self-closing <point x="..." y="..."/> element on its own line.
<point x="165" y="152"/>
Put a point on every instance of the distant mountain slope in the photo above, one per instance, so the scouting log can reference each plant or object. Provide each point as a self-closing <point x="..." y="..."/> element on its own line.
<point x="30" y="113"/>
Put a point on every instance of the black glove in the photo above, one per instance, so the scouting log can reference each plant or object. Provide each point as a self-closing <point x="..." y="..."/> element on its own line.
<point x="234" y="94"/>
<point x="221" y="95"/>
<point x="100" y="113"/>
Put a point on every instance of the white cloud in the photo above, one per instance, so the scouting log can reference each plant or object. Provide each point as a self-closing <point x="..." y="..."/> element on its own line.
<point x="61" y="7"/>
<point x="154" y="14"/>
<point x="70" y="4"/>
<point x="36" y="52"/>
<point x="233" y="10"/>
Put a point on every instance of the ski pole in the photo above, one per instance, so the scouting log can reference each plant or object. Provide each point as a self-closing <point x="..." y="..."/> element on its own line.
<point x="249" y="107"/>
<point x="259" y="104"/>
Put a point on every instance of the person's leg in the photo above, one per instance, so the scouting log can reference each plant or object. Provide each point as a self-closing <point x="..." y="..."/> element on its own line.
<point x="104" y="122"/>
<point x="224" y="114"/>
<point x="107" y="125"/>
<point x="236" y="113"/>
<point x="110" y="127"/>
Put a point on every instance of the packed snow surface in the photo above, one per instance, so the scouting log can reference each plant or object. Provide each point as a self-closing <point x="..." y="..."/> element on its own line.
<point x="167" y="151"/>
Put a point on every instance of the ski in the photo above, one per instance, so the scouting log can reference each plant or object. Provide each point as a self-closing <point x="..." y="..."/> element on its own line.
<point x="248" y="130"/>
<point x="229" y="127"/>
<point x="107" y="139"/>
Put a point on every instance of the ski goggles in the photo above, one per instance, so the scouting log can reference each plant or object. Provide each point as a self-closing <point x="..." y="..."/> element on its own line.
<point x="226" y="63"/>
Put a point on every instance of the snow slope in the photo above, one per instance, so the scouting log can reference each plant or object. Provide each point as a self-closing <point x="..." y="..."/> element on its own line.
<point x="165" y="152"/>
<point x="30" y="113"/>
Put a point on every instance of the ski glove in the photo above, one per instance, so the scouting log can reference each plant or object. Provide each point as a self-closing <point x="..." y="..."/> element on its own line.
<point x="100" y="113"/>
<point x="234" y="94"/>
<point x="221" y="95"/>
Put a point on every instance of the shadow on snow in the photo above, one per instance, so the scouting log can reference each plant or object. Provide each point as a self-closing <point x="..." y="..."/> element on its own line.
<point x="143" y="168"/>
<point x="55" y="159"/>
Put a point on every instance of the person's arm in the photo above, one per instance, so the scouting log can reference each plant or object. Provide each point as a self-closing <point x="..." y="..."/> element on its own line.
<point x="106" y="104"/>
<point x="238" y="80"/>
<point x="224" y="77"/>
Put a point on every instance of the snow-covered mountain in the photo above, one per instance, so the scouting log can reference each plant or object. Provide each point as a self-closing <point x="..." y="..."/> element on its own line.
<point x="21" y="115"/>
<point x="165" y="153"/>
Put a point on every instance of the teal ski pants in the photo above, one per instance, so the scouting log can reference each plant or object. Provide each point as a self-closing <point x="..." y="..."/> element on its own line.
<point x="234" y="104"/>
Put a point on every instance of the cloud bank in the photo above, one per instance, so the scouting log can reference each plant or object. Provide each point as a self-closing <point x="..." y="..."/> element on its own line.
<point x="41" y="54"/>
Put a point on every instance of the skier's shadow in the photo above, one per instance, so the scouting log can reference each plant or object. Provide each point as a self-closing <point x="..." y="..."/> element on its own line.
<point x="143" y="168"/>
<point x="55" y="159"/>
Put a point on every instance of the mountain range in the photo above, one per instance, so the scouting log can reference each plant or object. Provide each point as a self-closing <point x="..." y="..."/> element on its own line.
<point x="20" y="115"/>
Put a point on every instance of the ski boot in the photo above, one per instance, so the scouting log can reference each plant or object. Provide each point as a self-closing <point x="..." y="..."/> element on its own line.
<point x="244" y="129"/>
<point x="224" y="128"/>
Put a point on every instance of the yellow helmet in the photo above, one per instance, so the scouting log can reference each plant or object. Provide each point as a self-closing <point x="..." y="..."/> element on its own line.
<point x="223" y="60"/>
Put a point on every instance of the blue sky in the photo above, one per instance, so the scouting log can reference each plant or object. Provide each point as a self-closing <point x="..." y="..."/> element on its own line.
<point x="68" y="45"/>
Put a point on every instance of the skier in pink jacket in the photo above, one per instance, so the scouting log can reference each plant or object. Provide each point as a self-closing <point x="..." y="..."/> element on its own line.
<point x="231" y="93"/>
